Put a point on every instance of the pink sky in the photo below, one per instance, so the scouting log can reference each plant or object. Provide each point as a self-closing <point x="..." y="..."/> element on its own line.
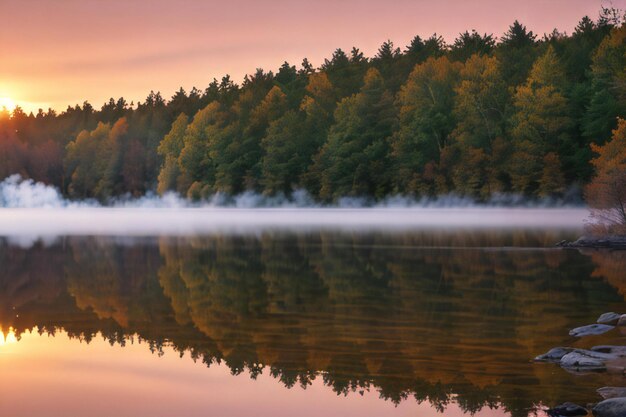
<point x="55" y="53"/>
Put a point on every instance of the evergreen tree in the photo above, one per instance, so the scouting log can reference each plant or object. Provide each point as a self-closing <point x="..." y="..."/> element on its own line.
<point x="237" y="149"/>
<point x="517" y="52"/>
<point x="354" y="159"/>
<point x="386" y="61"/>
<point x="468" y="44"/>
<point x="608" y="86"/>
<point x="285" y="154"/>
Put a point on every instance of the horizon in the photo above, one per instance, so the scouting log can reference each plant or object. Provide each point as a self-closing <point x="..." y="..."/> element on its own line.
<point x="68" y="70"/>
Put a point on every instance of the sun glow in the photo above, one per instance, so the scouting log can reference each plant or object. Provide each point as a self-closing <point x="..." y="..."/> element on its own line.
<point x="7" y="103"/>
<point x="9" y="338"/>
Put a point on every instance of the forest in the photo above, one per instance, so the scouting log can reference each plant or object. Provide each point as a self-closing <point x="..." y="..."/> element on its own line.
<point x="485" y="115"/>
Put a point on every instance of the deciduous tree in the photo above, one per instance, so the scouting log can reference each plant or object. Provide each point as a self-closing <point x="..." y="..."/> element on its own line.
<point x="606" y="194"/>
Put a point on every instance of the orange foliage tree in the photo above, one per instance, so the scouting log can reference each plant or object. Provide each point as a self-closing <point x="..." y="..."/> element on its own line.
<point x="606" y="194"/>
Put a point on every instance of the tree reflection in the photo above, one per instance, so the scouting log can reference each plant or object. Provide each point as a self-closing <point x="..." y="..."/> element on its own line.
<point x="433" y="317"/>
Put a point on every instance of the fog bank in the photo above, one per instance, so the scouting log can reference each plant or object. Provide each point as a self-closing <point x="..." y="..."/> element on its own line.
<point x="190" y="221"/>
<point x="31" y="211"/>
<point x="16" y="192"/>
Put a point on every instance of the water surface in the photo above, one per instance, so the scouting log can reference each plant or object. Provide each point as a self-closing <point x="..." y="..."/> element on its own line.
<point x="336" y="318"/>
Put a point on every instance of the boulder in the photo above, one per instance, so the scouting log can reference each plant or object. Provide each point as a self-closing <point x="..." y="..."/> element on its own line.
<point x="609" y="318"/>
<point x="554" y="354"/>
<point x="612" y="392"/>
<point x="615" y="350"/>
<point x="567" y="409"/>
<point x="592" y="329"/>
<point x="586" y="360"/>
<point x="613" y="407"/>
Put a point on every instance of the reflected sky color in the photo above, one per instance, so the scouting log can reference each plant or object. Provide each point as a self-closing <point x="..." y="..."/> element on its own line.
<point x="57" y="369"/>
<point x="63" y="52"/>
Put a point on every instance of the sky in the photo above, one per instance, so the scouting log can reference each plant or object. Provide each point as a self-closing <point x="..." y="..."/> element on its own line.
<point x="55" y="53"/>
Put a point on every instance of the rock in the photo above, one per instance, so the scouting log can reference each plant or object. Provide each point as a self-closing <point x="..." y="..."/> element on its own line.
<point x="614" y="407"/>
<point x="554" y="355"/>
<point x="592" y="329"/>
<point x="616" y="350"/>
<point x="586" y="360"/>
<point x="611" y="242"/>
<point x="567" y="409"/>
<point x="622" y="320"/>
<point x="612" y="392"/>
<point x="609" y="318"/>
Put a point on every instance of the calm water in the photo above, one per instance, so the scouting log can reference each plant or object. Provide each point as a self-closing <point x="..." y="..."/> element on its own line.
<point x="282" y="322"/>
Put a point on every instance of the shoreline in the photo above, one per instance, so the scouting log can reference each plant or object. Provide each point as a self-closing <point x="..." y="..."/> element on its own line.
<point x="606" y="242"/>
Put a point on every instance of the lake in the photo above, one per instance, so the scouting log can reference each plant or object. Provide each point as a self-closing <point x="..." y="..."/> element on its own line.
<point x="225" y="312"/>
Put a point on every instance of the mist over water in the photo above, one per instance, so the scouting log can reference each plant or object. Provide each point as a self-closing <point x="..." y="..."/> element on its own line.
<point x="33" y="211"/>
<point x="17" y="192"/>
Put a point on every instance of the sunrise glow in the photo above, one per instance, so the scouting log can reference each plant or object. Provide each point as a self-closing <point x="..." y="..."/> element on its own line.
<point x="158" y="52"/>
<point x="8" y="338"/>
<point x="7" y="103"/>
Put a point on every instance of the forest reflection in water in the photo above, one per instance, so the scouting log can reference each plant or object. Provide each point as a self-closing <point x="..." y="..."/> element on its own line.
<point x="422" y="316"/>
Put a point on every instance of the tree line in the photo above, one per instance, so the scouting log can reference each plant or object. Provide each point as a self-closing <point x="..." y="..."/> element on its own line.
<point x="478" y="117"/>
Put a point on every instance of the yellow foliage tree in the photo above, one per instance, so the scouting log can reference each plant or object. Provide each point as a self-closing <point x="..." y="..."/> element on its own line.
<point x="541" y="121"/>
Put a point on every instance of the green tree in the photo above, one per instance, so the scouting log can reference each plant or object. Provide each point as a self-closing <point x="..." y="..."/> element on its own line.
<point x="387" y="62"/>
<point x="111" y="182"/>
<point x="346" y="72"/>
<point x="197" y="168"/>
<point x="354" y="160"/>
<point x="285" y="154"/>
<point x="608" y="86"/>
<point x="517" y="52"/>
<point x="420" y="50"/>
<point x="237" y="149"/>
<point x="86" y="161"/>
<point x="468" y="44"/>
<point x="426" y="117"/>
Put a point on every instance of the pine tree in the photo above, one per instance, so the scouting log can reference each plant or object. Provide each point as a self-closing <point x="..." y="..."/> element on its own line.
<point x="354" y="160"/>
